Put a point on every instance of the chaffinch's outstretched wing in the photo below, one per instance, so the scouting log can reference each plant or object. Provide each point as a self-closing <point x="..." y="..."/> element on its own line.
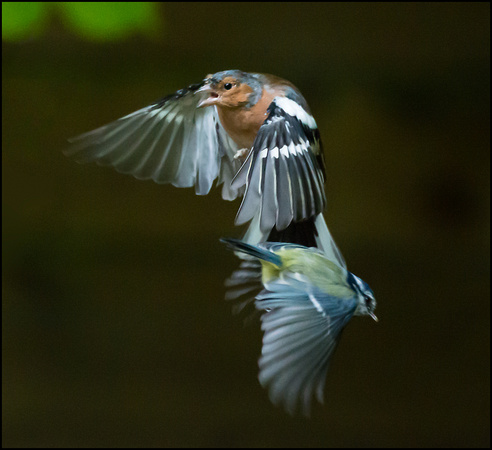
<point x="192" y="136"/>
<point x="170" y="141"/>
<point x="284" y="172"/>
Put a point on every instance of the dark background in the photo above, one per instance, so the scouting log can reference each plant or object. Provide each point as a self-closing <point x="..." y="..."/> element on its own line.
<point x="115" y="332"/>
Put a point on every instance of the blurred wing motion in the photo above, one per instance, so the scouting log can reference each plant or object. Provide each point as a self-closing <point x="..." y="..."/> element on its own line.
<point x="302" y="317"/>
<point x="171" y="141"/>
<point x="302" y="327"/>
<point x="284" y="172"/>
<point x="245" y="282"/>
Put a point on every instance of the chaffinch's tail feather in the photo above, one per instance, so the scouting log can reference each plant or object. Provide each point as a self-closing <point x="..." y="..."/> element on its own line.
<point x="310" y="233"/>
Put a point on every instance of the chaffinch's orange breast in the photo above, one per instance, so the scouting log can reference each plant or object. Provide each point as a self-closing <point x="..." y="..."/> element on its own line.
<point x="242" y="123"/>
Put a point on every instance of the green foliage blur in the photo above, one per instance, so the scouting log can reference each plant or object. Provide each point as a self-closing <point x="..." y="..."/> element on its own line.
<point x="94" y="21"/>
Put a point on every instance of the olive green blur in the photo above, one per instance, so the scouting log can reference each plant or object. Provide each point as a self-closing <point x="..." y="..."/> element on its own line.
<point x="115" y="331"/>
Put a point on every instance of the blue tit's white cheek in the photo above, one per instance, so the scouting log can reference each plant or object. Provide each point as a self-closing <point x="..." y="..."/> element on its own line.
<point x="295" y="110"/>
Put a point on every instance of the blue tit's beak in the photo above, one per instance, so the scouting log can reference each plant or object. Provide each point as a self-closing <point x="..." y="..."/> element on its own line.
<point x="374" y="316"/>
<point x="210" y="96"/>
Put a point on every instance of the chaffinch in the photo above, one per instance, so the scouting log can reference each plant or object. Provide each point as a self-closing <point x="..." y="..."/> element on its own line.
<point x="307" y="300"/>
<point x="253" y="131"/>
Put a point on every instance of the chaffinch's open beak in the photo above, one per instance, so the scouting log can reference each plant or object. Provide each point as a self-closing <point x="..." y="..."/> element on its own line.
<point x="210" y="96"/>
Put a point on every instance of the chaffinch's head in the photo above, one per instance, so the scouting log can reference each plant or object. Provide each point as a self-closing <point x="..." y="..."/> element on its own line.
<point x="230" y="89"/>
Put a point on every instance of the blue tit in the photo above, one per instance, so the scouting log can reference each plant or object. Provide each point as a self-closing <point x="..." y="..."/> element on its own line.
<point x="245" y="281"/>
<point x="306" y="301"/>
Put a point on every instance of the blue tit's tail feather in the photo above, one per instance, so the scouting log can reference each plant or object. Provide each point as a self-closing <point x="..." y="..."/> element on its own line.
<point x="253" y="250"/>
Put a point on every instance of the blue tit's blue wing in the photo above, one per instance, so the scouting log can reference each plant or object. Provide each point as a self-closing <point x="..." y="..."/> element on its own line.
<point x="284" y="171"/>
<point x="170" y="141"/>
<point x="302" y="327"/>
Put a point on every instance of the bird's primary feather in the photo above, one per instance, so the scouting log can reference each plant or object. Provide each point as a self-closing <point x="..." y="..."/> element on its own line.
<point x="306" y="302"/>
<point x="191" y="138"/>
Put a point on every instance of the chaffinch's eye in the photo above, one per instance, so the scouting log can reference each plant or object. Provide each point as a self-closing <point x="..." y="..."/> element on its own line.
<point x="227" y="86"/>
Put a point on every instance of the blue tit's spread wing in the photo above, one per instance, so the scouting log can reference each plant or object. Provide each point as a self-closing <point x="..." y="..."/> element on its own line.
<point x="302" y="327"/>
<point x="284" y="172"/>
<point x="170" y="141"/>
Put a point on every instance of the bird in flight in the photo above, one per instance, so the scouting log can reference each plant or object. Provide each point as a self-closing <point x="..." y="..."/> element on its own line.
<point x="306" y="302"/>
<point x="253" y="133"/>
